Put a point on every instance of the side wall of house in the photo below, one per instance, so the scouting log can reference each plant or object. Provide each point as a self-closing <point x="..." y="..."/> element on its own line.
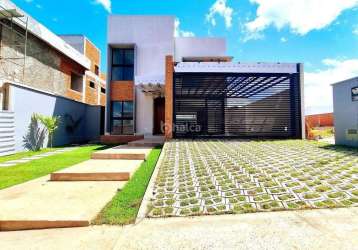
<point x="79" y="122"/>
<point x="345" y="113"/>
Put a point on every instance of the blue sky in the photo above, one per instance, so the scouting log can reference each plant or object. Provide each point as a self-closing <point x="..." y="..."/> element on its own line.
<point x="323" y="34"/>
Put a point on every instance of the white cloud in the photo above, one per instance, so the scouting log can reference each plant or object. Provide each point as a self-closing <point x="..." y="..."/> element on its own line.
<point x="355" y="30"/>
<point x="318" y="90"/>
<point x="107" y="4"/>
<point x="301" y="16"/>
<point x="181" y="33"/>
<point x="220" y="8"/>
<point x="283" y="39"/>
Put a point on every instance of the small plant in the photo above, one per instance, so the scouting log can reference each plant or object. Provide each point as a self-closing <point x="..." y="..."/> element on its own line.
<point x="169" y="202"/>
<point x="310" y="196"/>
<point x="323" y="188"/>
<point x="157" y="212"/>
<point x="168" y="210"/>
<point x="51" y="124"/>
<point x="336" y="195"/>
<point x="195" y="209"/>
<point x="184" y="203"/>
<point x="185" y="211"/>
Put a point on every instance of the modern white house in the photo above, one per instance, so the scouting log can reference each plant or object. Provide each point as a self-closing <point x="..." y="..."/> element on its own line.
<point x="189" y="87"/>
<point x="345" y="107"/>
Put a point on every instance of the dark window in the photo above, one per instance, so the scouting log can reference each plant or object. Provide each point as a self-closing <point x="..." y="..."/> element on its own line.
<point x="96" y="70"/>
<point x="122" y="118"/>
<point x="92" y="85"/>
<point x="122" y="64"/>
<point x="76" y="82"/>
<point x="103" y="90"/>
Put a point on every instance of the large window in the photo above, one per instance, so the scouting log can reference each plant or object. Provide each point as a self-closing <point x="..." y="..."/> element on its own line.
<point x="122" y="65"/>
<point x="122" y="118"/>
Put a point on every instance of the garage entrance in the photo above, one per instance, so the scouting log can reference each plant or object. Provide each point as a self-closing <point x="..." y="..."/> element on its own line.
<point x="237" y="105"/>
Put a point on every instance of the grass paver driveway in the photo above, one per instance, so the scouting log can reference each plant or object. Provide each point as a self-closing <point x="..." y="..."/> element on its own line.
<point x="239" y="176"/>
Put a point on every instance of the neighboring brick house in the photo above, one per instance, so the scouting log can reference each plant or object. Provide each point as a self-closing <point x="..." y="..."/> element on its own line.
<point x="42" y="73"/>
<point x="94" y="91"/>
<point x="159" y="84"/>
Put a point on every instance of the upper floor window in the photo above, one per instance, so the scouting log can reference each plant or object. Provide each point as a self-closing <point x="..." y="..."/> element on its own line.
<point x="122" y="65"/>
<point x="96" y="70"/>
<point x="76" y="82"/>
<point x="103" y="90"/>
<point x="92" y="84"/>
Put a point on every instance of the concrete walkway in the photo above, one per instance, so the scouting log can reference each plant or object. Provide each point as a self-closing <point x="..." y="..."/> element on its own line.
<point x="35" y="157"/>
<point x="310" y="229"/>
<point x="68" y="198"/>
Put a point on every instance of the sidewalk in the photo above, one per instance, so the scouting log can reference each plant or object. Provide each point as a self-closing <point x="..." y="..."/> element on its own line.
<point x="310" y="229"/>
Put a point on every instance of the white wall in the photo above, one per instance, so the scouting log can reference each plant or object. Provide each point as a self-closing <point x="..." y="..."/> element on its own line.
<point x="192" y="46"/>
<point x="76" y="41"/>
<point x="345" y="112"/>
<point x="153" y="37"/>
<point x="144" y="111"/>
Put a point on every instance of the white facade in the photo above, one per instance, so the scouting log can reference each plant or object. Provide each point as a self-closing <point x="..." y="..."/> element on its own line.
<point x="199" y="47"/>
<point x="151" y="36"/>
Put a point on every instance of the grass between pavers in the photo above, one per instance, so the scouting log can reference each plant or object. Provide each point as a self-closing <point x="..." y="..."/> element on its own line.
<point x="20" y="155"/>
<point x="124" y="207"/>
<point x="37" y="168"/>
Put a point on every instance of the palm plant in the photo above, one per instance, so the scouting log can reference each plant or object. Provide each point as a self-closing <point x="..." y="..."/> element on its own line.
<point x="51" y="124"/>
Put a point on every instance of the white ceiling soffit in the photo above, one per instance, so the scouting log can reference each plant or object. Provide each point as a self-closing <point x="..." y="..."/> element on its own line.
<point x="230" y="67"/>
<point x="143" y="80"/>
<point x="40" y="31"/>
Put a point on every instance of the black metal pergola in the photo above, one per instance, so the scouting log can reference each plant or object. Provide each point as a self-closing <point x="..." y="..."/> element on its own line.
<point x="237" y="105"/>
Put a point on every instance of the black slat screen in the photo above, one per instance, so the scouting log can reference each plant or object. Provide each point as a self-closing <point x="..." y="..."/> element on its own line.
<point x="237" y="105"/>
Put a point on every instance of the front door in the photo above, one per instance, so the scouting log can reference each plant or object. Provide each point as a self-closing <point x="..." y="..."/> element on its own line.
<point x="159" y="116"/>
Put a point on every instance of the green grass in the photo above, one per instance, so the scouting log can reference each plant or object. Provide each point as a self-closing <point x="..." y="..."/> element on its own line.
<point x="123" y="208"/>
<point x="37" y="168"/>
<point x="21" y="155"/>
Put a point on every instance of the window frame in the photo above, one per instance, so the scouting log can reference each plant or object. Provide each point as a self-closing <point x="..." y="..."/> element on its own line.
<point x="122" y="117"/>
<point x="123" y="65"/>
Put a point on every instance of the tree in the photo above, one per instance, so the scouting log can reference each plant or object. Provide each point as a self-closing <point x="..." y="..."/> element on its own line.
<point x="51" y="124"/>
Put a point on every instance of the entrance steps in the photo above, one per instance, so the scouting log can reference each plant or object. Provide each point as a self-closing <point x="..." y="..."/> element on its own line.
<point x="148" y="142"/>
<point x="124" y="152"/>
<point x="72" y="197"/>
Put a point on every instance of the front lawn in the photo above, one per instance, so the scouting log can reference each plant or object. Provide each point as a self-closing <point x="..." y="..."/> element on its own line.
<point x="123" y="208"/>
<point x="21" y="155"/>
<point x="239" y="176"/>
<point x="37" y="168"/>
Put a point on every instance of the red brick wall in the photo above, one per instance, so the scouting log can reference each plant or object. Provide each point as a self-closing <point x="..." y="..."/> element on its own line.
<point x="169" y="71"/>
<point x="122" y="91"/>
<point x="67" y="66"/>
<point x="320" y="120"/>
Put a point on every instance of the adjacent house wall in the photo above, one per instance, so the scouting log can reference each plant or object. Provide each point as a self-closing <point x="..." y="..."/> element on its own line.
<point x="45" y="68"/>
<point x="199" y="47"/>
<point x="345" y="112"/>
<point x="25" y="102"/>
<point x="91" y="95"/>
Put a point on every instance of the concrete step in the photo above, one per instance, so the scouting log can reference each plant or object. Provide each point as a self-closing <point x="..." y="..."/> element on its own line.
<point x="124" y="176"/>
<point x="18" y="225"/>
<point x="148" y="142"/>
<point x="124" y="152"/>
<point x="117" y="156"/>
